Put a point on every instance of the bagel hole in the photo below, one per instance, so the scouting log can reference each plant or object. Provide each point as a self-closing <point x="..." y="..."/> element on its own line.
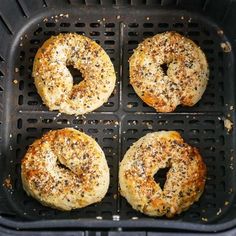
<point x="60" y="165"/>
<point x="164" y="68"/>
<point x="76" y="74"/>
<point x="160" y="176"/>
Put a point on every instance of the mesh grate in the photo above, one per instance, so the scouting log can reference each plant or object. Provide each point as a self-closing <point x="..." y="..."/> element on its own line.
<point x="124" y="118"/>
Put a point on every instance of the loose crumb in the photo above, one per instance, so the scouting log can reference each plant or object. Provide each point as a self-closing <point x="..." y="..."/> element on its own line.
<point x="220" y="32"/>
<point x="15" y="81"/>
<point x="129" y="106"/>
<point x="118" y="17"/>
<point x="219" y="212"/>
<point x="148" y="18"/>
<point x="228" y="124"/>
<point x="116" y="217"/>
<point x="115" y="196"/>
<point x="149" y="126"/>
<point x="16" y="69"/>
<point x="7" y="183"/>
<point x="204" y="219"/>
<point x="106" y="122"/>
<point x="231" y="108"/>
<point x="182" y="18"/>
<point x="226" y="203"/>
<point x="226" y="47"/>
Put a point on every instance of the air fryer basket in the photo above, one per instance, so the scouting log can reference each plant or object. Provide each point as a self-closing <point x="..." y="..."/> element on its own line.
<point x="118" y="26"/>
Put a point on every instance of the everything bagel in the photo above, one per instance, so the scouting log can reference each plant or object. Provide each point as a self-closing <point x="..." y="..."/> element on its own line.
<point x="54" y="81"/>
<point x="168" y="70"/>
<point x="65" y="169"/>
<point x="184" y="182"/>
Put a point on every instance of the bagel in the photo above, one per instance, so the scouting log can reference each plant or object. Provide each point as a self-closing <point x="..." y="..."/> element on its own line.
<point x="168" y="70"/>
<point x="65" y="169"/>
<point x="54" y="81"/>
<point x="185" y="179"/>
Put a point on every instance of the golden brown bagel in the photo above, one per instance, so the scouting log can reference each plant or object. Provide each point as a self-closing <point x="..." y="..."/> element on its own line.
<point x="184" y="182"/>
<point x="186" y="77"/>
<point x="65" y="169"/>
<point x="54" y="81"/>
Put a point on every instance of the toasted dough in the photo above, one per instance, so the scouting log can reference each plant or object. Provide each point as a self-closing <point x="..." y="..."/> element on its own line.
<point x="54" y="81"/>
<point x="185" y="179"/>
<point x="168" y="70"/>
<point x="65" y="169"/>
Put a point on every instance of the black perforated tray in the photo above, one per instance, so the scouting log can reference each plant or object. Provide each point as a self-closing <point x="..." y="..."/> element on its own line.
<point x="118" y="27"/>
